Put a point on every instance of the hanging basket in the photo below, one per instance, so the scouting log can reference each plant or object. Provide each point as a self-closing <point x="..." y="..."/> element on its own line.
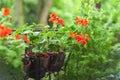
<point x="56" y="61"/>
<point x="36" y="66"/>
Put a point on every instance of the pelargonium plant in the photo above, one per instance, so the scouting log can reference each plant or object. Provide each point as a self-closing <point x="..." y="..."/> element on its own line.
<point x="48" y="44"/>
<point x="49" y="39"/>
<point x="78" y="34"/>
<point x="42" y="45"/>
<point x="10" y="49"/>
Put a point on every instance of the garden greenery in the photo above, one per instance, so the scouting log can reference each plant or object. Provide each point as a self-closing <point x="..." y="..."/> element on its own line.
<point x="88" y="38"/>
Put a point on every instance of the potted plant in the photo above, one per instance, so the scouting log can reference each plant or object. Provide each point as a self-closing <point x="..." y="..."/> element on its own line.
<point x="35" y="66"/>
<point x="52" y="42"/>
<point x="45" y="51"/>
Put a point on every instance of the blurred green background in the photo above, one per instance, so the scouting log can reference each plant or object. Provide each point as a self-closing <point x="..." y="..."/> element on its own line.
<point x="37" y="11"/>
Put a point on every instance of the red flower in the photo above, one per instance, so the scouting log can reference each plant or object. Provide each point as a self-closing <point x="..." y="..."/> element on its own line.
<point x="17" y="36"/>
<point x="26" y="39"/>
<point x="55" y="19"/>
<point x="8" y="30"/>
<point x="5" y="31"/>
<point x="53" y="15"/>
<point x="79" y="38"/>
<point x="84" y="42"/>
<point x="1" y="33"/>
<point x="1" y="26"/>
<point x="86" y="37"/>
<point x="73" y="35"/>
<point x="84" y="22"/>
<point x="62" y="22"/>
<point x="78" y="20"/>
<point x="6" y="11"/>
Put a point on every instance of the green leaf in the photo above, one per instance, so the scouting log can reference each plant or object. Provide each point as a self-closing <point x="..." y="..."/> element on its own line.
<point x="50" y="34"/>
<point x="11" y="54"/>
<point x="27" y="32"/>
<point x="3" y="47"/>
<point x="22" y="45"/>
<point x="35" y="49"/>
<point x="54" y="47"/>
<point x="16" y="62"/>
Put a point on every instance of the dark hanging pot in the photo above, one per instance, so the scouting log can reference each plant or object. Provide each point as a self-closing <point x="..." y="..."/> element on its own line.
<point x="56" y="61"/>
<point x="35" y="66"/>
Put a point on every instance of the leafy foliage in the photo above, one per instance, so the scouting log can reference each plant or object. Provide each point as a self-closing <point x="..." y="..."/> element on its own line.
<point x="98" y="58"/>
<point x="91" y="61"/>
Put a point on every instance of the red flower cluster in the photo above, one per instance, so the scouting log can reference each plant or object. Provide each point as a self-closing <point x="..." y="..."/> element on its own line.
<point x="26" y="40"/>
<point x="73" y="35"/>
<point x="55" y="19"/>
<point x="6" y="11"/>
<point x="84" y="21"/>
<point x="5" y="31"/>
<point x="80" y="38"/>
<point x="17" y="36"/>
